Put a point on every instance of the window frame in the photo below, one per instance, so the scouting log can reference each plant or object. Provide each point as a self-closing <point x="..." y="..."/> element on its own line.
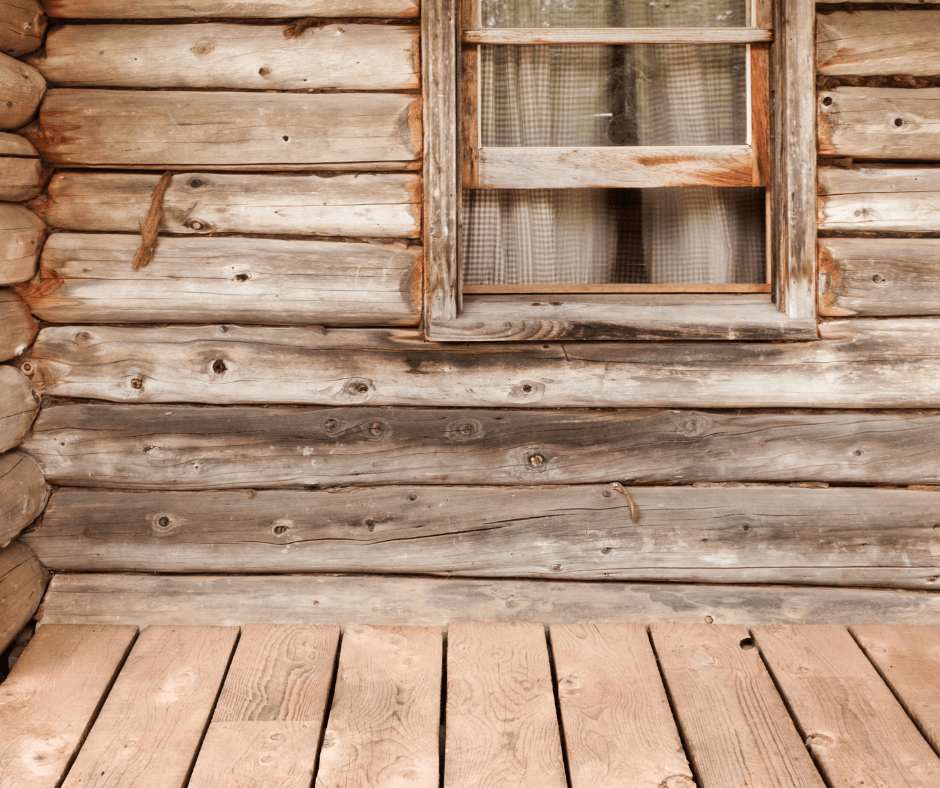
<point x="788" y="313"/>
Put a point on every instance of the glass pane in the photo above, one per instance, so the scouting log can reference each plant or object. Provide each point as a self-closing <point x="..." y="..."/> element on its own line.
<point x="613" y="13"/>
<point x="606" y="236"/>
<point x="645" y="94"/>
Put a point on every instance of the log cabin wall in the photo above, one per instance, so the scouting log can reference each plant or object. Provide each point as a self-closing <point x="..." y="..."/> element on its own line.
<point x="234" y="380"/>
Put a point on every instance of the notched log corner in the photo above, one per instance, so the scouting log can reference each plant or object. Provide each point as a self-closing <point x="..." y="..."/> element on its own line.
<point x="831" y="285"/>
<point x="414" y="285"/>
<point x="412" y="127"/>
<point x="41" y="288"/>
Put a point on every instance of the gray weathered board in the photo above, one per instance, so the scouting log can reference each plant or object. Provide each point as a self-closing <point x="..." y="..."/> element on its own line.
<point x="23" y="494"/>
<point x="264" y="9"/>
<point x="22" y="583"/>
<point x="19" y="404"/>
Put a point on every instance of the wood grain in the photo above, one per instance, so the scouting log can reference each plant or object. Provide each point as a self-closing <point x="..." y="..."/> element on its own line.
<point x="385" y="720"/>
<point x="152" y="722"/>
<point x="265" y="731"/>
<point x="908" y="659"/>
<point x="89" y="278"/>
<point x="619" y="730"/>
<point x="502" y="729"/>
<point x="880" y="123"/>
<point x="613" y="35"/>
<point x="736" y="728"/>
<point x="134" y="128"/>
<point x="22" y="26"/>
<point x="22" y="88"/>
<point x="23" y="494"/>
<point x="260" y="9"/>
<point x="22" y="584"/>
<point x="383" y="205"/>
<point x="18" y="327"/>
<point x="19" y="404"/>
<point x="878" y="42"/>
<point x="854" y="727"/>
<point x="39" y="733"/>
<point x="240" y="57"/>
<point x="742" y="534"/>
<point x="416" y="601"/>
<point x="21" y="237"/>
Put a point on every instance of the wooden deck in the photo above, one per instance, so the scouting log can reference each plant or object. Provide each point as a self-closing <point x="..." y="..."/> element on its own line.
<point x="484" y="705"/>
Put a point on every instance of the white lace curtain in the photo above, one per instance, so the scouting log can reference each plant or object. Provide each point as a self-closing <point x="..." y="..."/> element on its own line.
<point x="537" y="96"/>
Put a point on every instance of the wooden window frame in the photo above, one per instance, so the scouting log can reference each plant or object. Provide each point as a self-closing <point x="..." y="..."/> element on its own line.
<point x="788" y="312"/>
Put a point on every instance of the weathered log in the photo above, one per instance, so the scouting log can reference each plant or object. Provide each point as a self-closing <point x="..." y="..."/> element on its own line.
<point x="880" y="199"/>
<point x="19" y="404"/>
<point x="880" y="123"/>
<point x="191" y="129"/>
<point x="22" y="88"/>
<point x="22" y="583"/>
<point x="878" y="42"/>
<point x="17" y="326"/>
<point x="23" y="494"/>
<point x="351" y="57"/>
<point x="193" y="448"/>
<point x="260" y="9"/>
<point x="20" y="178"/>
<point x="217" y="600"/>
<point x="385" y="205"/>
<point x="863" y="364"/>
<point x="88" y="277"/>
<point x="22" y="26"/>
<point x="742" y="534"/>
<point x="21" y="237"/>
<point x="879" y="276"/>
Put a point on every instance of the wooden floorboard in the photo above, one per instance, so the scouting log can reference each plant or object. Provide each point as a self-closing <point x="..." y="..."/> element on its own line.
<point x="855" y="728"/>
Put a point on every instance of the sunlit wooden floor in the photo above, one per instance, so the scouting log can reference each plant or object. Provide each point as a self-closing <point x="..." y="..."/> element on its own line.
<point x="488" y="705"/>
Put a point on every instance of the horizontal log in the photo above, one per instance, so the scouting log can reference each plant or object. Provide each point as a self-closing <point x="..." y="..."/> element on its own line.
<point x="385" y="205"/>
<point x="217" y="600"/>
<point x="193" y="448"/>
<point x="20" y="179"/>
<point x="202" y="129"/>
<point x="22" y="27"/>
<point x="22" y="88"/>
<point x="878" y="42"/>
<point x="90" y="278"/>
<point x="880" y="123"/>
<point x="21" y="237"/>
<point x="22" y="583"/>
<point x="863" y="364"/>
<point x="879" y="276"/>
<point x="17" y="326"/>
<point x="260" y="9"/>
<point x="741" y="534"/>
<point x="23" y="494"/>
<point x="244" y="57"/>
<point x="880" y="199"/>
<point x="16" y="145"/>
<point x="19" y="405"/>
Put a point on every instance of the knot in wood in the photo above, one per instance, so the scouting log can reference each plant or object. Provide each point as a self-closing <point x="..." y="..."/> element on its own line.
<point x="218" y="366"/>
<point x="376" y="428"/>
<point x="536" y="460"/>
<point x="27" y="368"/>
<point x="82" y="338"/>
<point x="330" y="424"/>
<point x="137" y="383"/>
<point x="196" y="183"/>
<point x="709" y="620"/>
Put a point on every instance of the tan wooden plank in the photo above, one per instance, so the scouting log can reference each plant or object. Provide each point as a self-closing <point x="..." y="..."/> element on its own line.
<point x="23" y="494"/>
<point x="854" y="727"/>
<point x="261" y="9"/>
<point x="21" y="237"/>
<point x="151" y="724"/>
<point x="19" y="404"/>
<point x="90" y="278"/>
<point x="242" y="57"/>
<point x="51" y="697"/>
<point x="195" y="128"/>
<point x="880" y="123"/>
<point x="502" y="727"/>
<point x="619" y="730"/>
<point x="22" y="88"/>
<point x="385" y="721"/>
<point x="22" y="584"/>
<point x="18" y="328"/>
<point x="266" y="727"/>
<point x="744" y="534"/>
<point x="878" y="42"/>
<point x="736" y="727"/>
<point x="385" y="205"/>
<point x="613" y="35"/>
<point x="22" y="26"/>
<point x="908" y="659"/>
<point x="404" y="601"/>
<point x="628" y="168"/>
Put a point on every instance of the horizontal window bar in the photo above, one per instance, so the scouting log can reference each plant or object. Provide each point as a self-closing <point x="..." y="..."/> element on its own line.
<point x="618" y="35"/>
<point x="616" y="288"/>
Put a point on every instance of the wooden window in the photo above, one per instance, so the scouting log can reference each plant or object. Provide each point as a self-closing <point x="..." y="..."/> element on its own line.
<point x="778" y="150"/>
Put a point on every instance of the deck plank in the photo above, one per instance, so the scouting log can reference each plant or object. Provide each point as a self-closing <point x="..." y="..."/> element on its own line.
<point x="854" y="727"/>
<point x="908" y="659"/>
<point x="265" y="731"/>
<point x="502" y="728"/>
<point x="736" y="727"/>
<point x="149" y="729"/>
<point x="619" y="730"/>
<point x="384" y="724"/>
<point x="39" y="734"/>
